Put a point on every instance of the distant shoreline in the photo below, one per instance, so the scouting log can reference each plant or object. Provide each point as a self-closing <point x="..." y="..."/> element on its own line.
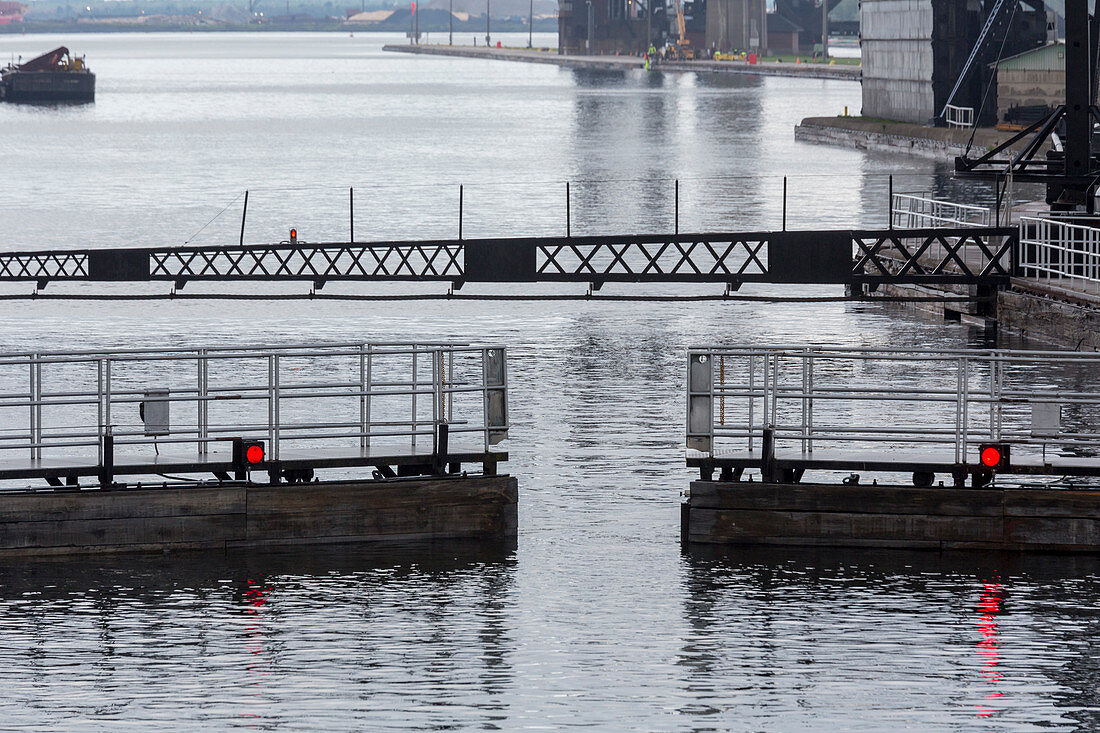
<point x="332" y="26"/>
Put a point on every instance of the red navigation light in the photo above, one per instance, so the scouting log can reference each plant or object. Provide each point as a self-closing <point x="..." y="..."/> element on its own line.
<point x="994" y="455"/>
<point x="293" y="236"/>
<point x="246" y="455"/>
<point x="254" y="453"/>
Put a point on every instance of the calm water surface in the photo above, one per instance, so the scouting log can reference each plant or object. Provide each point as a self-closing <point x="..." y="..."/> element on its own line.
<point x="595" y="618"/>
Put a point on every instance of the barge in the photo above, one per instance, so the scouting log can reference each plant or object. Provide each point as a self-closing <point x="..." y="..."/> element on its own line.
<point x="56" y="76"/>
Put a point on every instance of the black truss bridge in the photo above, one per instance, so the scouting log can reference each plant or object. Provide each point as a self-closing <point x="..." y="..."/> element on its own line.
<point x="967" y="256"/>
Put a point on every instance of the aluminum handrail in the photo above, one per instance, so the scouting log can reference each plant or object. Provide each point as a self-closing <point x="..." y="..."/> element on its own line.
<point x="883" y="399"/>
<point x="916" y="210"/>
<point x="351" y="346"/>
<point x="52" y="402"/>
<point x="1060" y="252"/>
<point x="956" y="116"/>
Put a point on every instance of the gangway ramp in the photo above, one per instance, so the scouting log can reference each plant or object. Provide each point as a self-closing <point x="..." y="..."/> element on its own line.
<point x="968" y="255"/>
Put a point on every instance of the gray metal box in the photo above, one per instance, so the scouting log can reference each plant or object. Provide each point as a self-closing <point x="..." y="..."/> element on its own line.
<point x="155" y="412"/>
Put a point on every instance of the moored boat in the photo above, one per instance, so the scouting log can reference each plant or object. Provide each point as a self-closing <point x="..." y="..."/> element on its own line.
<point x="56" y="76"/>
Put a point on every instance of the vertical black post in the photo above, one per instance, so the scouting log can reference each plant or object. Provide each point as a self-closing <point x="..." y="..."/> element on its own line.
<point x="890" y="202"/>
<point x="767" y="456"/>
<point x="784" y="203"/>
<point x="676" y="215"/>
<point x="997" y="197"/>
<point x="530" y="23"/>
<point x="568" y="230"/>
<point x="1094" y="49"/>
<point x="244" y="213"/>
<point x="1078" y="141"/>
<point x="451" y="23"/>
<point x="439" y="457"/>
<point x="240" y="472"/>
<point x="488" y="43"/>
<point x="460" y="212"/>
<point x="107" y="468"/>
<point x="351" y="214"/>
<point x="589" y="43"/>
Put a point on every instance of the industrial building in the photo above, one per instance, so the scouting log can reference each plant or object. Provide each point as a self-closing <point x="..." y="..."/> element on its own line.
<point x="1031" y="84"/>
<point x="915" y="51"/>
<point x="629" y="26"/>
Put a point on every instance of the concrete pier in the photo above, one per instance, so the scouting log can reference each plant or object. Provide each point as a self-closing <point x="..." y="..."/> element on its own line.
<point x="235" y="515"/>
<point x="619" y="63"/>
<point x="1031" y="309"/>
<point x="746" y="513"/>
<point x="872" y="134"/>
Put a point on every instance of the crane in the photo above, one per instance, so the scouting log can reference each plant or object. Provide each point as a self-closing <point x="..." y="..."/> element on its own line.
<point x="682" y="48"/>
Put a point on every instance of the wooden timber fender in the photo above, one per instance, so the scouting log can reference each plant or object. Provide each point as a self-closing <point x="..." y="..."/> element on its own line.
<point x="748" y="513"/>
<point x="234" y="515"/>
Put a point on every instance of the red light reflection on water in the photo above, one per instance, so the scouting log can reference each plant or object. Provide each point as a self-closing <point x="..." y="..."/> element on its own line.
<point x="989" y="605"/>
<point x="255" y="599"/>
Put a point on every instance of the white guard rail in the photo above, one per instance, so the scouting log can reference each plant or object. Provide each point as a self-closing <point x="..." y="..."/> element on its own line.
<point x="1060" y="252"/>
<point x="877" y="401"/>
<point x="959" y="116"/>
<point x="337" y="396"/>
<point x="922" y="210"/>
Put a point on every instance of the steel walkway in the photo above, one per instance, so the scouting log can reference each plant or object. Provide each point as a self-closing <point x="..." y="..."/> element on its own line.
<point x="961" y="256"/>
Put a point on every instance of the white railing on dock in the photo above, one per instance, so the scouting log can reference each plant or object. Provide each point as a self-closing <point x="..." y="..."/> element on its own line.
<point x="922" y="210"/>
<point x="346" y="397"/>
<point x="880" y="401"/>
<point x="959" y="116"/>
<point x="1060" y="252"/>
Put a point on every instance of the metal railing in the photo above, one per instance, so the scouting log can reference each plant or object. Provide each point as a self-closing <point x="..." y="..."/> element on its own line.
<point x="61" y="407"/>
<point x="1060" y="252"/>
<point x="921" y="210"/>
<point x="959" y="116"/>
<point x="875" y="401"/>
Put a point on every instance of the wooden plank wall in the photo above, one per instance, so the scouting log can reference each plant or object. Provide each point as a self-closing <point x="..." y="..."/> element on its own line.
<point x="891" y="516"/>
<point x="222" y="517"/>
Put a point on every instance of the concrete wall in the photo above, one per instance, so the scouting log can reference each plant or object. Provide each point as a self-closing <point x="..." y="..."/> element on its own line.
<point x="897" y="59"/>
<point x="736" y="25"/>
<point x="1050" y="320"/>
